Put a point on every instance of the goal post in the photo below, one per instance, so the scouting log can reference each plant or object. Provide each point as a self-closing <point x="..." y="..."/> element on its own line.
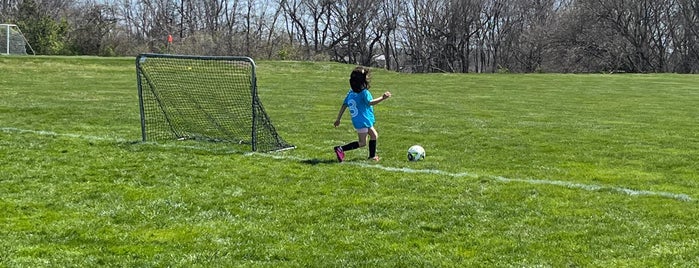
<point x="211" y="98"/>
<point x="12" y="41"/>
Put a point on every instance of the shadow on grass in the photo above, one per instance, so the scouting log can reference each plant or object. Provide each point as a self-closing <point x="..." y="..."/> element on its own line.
<point x="316" y="161"/>
<point x="201" y="148"/>
<point x="204" y="148"/>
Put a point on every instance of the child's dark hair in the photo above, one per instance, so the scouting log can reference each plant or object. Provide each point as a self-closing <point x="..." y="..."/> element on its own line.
<point x="360" y="78"/>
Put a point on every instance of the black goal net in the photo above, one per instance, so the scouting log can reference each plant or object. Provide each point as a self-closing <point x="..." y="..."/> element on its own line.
<point x="211" y="98"/>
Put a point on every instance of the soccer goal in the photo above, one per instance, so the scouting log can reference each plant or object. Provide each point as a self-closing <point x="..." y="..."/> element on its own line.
<point x="12" y="41"/>
<point x="211" y="98"/>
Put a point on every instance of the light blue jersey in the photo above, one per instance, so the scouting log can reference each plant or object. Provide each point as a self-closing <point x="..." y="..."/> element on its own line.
<point x="361" y="111"/>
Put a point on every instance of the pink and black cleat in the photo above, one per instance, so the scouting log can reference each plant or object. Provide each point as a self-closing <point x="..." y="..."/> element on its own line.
<point x="340" y="154"/>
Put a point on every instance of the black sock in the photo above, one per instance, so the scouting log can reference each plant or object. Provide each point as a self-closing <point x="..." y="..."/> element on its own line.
<point x="350" y="146"/>
<point x="372" y="148"/>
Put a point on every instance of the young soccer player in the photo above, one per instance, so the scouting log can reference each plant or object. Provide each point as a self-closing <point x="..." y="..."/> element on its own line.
<point x="360" y="104"/>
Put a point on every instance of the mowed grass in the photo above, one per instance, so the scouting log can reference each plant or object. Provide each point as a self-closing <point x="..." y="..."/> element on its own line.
<point x="521" y="170"/>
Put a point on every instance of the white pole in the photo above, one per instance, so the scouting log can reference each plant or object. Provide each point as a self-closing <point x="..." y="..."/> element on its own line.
<point x="8" y="39"/>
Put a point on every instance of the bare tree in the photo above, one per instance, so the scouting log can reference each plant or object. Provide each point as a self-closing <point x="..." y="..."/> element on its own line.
<point x="8" y="8"/>
<point x="230" y="22"/>
<point x="299" y="12"/>
<point x="684" y="32"/>
<point x="358" y="31"/>
<point x="412" y="35"/>
<point x="271" y="35"/>
<point x="496" y="26"/>
<point x="320" y="12"/>
<point x="390" y="13"/>
<point x="90" y="25"/>
<point x="537" y="19"/>
<point x="463" y="24"/>
<point x="634" y="22"/>
<point x="423" y="37"/>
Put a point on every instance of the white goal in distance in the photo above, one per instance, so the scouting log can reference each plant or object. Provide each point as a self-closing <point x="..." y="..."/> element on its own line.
<point x="12" y="41"/>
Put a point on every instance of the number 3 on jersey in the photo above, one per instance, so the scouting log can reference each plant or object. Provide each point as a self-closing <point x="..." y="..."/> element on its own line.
<point x="352" y="108"/>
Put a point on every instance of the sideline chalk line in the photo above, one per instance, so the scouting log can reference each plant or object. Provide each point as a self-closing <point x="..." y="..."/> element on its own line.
<point x="570" y="185"/>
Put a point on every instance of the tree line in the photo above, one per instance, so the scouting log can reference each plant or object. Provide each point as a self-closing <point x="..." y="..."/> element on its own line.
<point x="483" y="36"/>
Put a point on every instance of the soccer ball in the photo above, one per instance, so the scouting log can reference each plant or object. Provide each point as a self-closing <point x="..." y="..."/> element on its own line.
<point x="415" y="153"/>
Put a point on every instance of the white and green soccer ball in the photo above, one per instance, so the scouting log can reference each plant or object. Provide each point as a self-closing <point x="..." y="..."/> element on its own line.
<point x="415" y="153"/>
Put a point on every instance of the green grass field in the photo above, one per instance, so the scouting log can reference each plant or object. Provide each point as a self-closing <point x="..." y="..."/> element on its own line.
<point x="551" y="170"/>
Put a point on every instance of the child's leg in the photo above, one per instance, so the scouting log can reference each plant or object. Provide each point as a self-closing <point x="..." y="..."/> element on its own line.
<point x="361" y="136"/>
<point x="373" y="136"/>
<point x="350" y="146"/>
<point x="361" y="142"/>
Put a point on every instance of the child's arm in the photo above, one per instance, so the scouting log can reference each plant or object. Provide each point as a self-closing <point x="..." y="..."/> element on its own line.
<point x="385" y="95"/>
<point x="339" y="115"/>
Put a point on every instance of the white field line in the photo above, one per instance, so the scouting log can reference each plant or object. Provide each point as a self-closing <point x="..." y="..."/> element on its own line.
<point x="566" y="184"/>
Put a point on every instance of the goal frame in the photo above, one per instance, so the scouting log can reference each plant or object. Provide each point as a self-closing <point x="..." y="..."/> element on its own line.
<point x="6" y="27"/>
<point x="255" y="101"/>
